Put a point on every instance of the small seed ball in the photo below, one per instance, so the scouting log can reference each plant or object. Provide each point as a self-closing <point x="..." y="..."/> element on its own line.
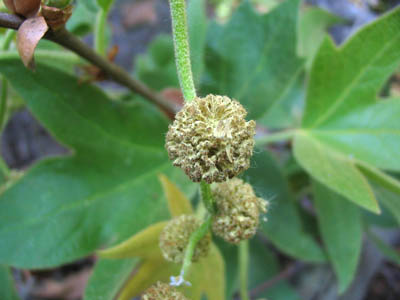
<point x="162" y="291"/>
<point x="210" y="139"/>
<point x="175" y="237"/>
<point x="238" y="210"/>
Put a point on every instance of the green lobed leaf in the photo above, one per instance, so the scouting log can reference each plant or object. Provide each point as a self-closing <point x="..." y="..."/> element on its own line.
<point x="253" y="58"/>
<point x="313" y="25"/>
<point x="345" y="125"/>
<point x="157" y="68"/>
<point x="7" y="287"/>
<point x="104" y="192"/>
<point x="334" y="170"/>
<point x="108" y="277"/>
<point x="341" y="230"/>
<point x="197" y="27"/>
<point x="291" y="237"/>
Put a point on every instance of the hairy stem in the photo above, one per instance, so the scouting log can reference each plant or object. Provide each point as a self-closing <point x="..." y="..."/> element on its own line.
<point x="275" y="137"/>
<point x="119" y="75"/>
<point x="100" y="30"/>
<point x="207" y="197"/>
<point x="182" y="52"/>
<point x="194" y="239"/>
<point x="244" y="268"/>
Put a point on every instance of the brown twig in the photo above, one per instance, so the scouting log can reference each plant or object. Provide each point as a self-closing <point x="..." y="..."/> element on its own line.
<point x="114" y="72"/>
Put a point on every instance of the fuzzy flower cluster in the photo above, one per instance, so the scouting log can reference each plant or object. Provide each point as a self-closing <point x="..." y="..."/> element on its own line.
<point x="238" y="210"/>
<point x="175" y="237"/>
<point x="162" y="291"/>
<point x="210" y="139"/>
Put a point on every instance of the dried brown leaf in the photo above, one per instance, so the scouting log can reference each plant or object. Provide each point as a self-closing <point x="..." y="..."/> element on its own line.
<point x="27" y="8"/>
<point x="28" y="36"/>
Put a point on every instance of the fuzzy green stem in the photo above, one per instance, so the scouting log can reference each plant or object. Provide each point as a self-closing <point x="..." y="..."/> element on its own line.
<point x="275" y="137"/>
<point x="194" y="239"/>
<point x="100" y="30"/>
<point x="244" y="268"/>
<point x="207" y="197"/>
<point x="182" y="52"/>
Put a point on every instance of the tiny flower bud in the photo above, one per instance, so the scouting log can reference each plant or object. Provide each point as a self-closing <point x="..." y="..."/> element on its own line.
<point x="162" y="291"/>
<point x="26" y="8"/>
<point x="210" y="139"/>
<point x="238" y="210"/>
<point x="175" y="237"/>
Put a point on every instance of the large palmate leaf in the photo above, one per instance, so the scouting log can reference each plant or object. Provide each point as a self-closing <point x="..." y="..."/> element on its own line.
<point x="284" y="225"/>
<point x="345" y="125"/>
<point x="341" y="229"/>
<point x="253" y="58"/>
<point x="7" y="288"/>
<point x="102" y="193"/>
<point x="313" y="25"/>
<point x="108" y="277"/>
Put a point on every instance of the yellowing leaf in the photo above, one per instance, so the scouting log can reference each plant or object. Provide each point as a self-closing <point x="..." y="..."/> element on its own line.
<point x="213" y="275"/>
<point x="149" y="272"/>
<point x="178" y="203"/>
<point x="206" y="276"/>
<point x="143" y="244"/>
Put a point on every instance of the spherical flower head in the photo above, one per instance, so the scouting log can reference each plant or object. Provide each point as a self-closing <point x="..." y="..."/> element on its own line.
<point x="210" y="139"/>
<point x="162" y="291"/>
<point x="175" y="237"/>
<point x="238" y="210"/>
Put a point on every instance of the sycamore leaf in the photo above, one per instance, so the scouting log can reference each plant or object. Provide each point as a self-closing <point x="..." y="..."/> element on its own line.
<point x="108" y="276"/>
<point x="341" y="229"/>
<point x="252" y="58"/>
<point x="206" y="276"/>
<point x="386" y="189"/>
<point x="178" y="203"/>
<point x="292" y="238"/>
<point x="334" y="170"/>
<point x="7" y="287"/>
<point x="313" y="25"/>
<point x="107" y="187"/>
<point x="345" y="125"/>
<point x="154" y="267"/>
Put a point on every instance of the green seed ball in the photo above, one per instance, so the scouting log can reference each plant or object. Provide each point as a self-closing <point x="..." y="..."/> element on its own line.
<point x="162" y="291"/>
<point x="238" y="210"/>
<point x="175" y="237"/>
<point x="210" y="139"/>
